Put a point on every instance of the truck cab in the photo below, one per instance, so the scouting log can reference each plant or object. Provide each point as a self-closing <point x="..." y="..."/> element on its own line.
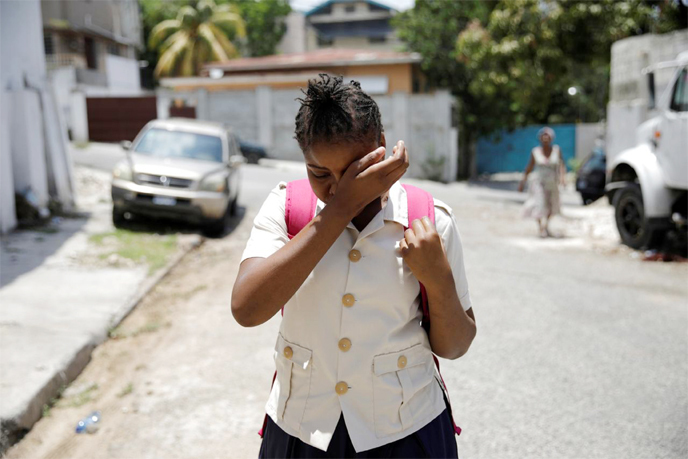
<point x="648" y="183"/>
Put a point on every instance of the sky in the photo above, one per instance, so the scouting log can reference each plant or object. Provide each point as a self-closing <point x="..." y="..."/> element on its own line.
<point x="305" y="5"/>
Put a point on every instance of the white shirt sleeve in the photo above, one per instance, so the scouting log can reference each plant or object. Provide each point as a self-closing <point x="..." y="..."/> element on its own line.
<point x="449" y="232"/>
<point x="269" y="233"/>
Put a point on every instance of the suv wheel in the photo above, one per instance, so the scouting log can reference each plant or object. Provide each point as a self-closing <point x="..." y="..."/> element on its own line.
<point x="217" y="228"/>
<point x="118" y="219"/>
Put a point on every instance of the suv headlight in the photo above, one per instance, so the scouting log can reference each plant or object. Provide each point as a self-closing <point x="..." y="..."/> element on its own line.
<point x="214" y="182"/>
<point x="123" y="171"/>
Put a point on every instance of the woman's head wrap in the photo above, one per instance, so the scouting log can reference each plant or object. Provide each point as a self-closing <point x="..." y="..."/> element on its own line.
<point x="546" y="130"/>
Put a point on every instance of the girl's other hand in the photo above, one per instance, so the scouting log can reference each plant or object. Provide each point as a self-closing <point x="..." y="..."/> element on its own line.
<point x="367" y="178"/>
<point x="422" y="250"/>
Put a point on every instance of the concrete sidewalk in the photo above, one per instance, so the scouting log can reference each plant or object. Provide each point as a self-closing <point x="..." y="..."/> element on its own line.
<point x="62" y="288"/>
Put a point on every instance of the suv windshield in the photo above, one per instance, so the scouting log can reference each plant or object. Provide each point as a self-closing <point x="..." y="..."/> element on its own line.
<point x="178" y="144"/>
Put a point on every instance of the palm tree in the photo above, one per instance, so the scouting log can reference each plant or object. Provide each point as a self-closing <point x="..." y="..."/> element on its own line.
<point x="197" y="36"/>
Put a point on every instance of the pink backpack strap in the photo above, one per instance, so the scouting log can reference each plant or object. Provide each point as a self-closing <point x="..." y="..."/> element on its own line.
<point x="299" y="207"/>
<point x="421" y="204"/>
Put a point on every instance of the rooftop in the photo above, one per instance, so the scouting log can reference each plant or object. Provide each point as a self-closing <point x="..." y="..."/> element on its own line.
<point x="317" y="58"/>
<point x="330" y="2"/>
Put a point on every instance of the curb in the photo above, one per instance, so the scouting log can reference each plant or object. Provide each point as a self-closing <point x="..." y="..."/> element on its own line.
<point x="11" y="430"/>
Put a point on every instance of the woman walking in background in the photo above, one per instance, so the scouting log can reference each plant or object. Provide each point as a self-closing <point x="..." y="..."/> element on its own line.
<point x="548" y="171"/>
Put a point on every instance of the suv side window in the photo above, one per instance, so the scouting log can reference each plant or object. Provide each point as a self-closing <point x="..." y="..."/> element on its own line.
<point x="679" y="98"/>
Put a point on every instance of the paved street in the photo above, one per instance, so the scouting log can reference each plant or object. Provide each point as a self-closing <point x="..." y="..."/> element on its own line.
<point x="581" y="350"/>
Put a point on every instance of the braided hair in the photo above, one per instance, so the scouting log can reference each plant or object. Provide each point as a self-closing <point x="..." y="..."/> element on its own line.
<point x="336" y="112"/>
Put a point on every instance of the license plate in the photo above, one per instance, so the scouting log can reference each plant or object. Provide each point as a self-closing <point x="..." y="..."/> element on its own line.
<point x="164" y="201"/>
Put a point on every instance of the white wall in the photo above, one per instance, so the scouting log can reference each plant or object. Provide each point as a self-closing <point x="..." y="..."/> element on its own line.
<point x="294" y="40"/>
<point x="23" y="80"/>
<point x="8" y="217"/>
<point x="22" y="56"/>
<point x="122" y="73"/>
<point x="586" y="138"/>
<point x="64" y="80"/>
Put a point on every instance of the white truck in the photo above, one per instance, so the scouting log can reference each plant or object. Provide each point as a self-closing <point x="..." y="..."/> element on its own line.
<point x="648" y="183"/>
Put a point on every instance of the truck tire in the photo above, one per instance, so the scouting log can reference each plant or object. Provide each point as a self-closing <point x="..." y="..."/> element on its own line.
<point x="629" y="213"/>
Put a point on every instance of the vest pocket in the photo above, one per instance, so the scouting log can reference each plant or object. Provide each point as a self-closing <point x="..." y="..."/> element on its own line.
<point x="293" y="381"/>
<point x="398" y="376"/>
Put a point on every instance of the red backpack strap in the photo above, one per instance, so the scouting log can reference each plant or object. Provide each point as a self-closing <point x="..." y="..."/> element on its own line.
<point x="421" y="204"/>
<point x="299" y="207"/>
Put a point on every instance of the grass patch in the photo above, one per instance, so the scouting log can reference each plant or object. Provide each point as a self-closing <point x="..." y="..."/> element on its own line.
<point x="128" y="389"/>
<point x="116" y="333"/>
<point x="46" y="229"/>
<point x="153" y="249"/>
<point x="148" y="328"/>
<point x="81" y="398"/>
<point x="120" y="333"/>
<point x="53" y="401"/>
<point x="192" y="292"/>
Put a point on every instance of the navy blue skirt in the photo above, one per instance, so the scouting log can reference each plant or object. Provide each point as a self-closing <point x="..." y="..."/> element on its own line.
<point x="435" y="440"/>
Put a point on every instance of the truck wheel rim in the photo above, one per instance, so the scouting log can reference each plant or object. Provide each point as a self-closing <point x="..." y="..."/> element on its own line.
<point x="632" y="219"/>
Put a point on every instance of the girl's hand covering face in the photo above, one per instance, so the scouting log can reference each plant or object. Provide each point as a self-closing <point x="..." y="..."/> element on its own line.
<point x="369" y="177"/>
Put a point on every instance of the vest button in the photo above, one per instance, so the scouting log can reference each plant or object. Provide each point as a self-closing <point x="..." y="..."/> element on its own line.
<point x="354" y="255"/>
<point x="344" y="344"/>
<point x="288" y="352"/>
<point x="348" y="300"/>
<point x="341" y="388"/>
<point x="401" y="363"/>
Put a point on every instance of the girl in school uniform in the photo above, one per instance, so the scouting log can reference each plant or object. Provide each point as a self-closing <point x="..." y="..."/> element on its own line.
<point x="355" y="372"/>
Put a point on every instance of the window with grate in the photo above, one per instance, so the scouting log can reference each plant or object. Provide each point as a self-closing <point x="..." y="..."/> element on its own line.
<point x="48" y="43"/>
<point x="113" y="49"/>
<point x="377" y="39"/>
<point x="325" y="41"/>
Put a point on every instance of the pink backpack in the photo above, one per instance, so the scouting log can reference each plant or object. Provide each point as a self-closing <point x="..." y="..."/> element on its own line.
<point x="300" y="210"/>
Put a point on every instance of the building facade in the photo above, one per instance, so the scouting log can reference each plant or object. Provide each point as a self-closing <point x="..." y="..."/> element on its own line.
<point x="353" y="24"/>
<point x="90" y="50"/>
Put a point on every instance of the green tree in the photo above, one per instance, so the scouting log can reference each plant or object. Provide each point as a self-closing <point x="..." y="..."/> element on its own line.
<point x="430" y="28"/>
<point x="513" y="64"/>
<point x="265" y="25"/>
<point x="198" y="35"/>
<point x="263" y="20"/>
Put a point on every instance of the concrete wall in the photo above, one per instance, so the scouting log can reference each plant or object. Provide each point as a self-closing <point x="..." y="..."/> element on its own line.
<point x="32" y="160"/>
<point x="21" y="57"/>
<point x="122" y="73"/>
<point x="8" y="217"/>
<point x="587" y="135"/>
<point x="294" y="40"/>
<point x="266" y="116"/>
<point x="628" y="98"/>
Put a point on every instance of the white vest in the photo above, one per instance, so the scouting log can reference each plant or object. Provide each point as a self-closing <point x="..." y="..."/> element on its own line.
<point x="350" y="340"/>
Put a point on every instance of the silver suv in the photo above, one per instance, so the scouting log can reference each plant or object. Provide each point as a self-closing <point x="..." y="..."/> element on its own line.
<point x="181" y="169"/>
